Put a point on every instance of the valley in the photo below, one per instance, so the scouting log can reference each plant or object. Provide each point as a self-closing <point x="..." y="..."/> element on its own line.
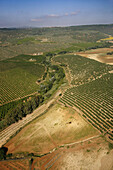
<point x="56" y="107"/>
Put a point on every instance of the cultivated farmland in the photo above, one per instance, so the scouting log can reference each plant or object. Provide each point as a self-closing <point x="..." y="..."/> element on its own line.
<point x="92" y="92"/>
<point x="104" y="55"/>
<point x="94" y="99"/>
<point x="21" y="164"/>
<point x="18" y="79"/>
<point x="70" y="124"/>
<point x="28" y="41"/>
<point x="82" y="69"/>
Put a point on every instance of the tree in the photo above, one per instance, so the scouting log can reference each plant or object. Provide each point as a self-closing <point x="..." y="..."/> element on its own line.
<point x="10" y="117"/>
<point x="28" y="107"/>
<point x="3" y="152"/>
<point x="33" y="103"/>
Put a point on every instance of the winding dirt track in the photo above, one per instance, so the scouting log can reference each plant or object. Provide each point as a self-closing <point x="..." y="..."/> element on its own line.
<point x="12" y="129"/>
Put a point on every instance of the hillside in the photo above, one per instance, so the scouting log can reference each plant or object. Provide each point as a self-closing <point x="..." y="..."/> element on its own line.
<point x="56" y="96"/>
<point x="14" y="42"/>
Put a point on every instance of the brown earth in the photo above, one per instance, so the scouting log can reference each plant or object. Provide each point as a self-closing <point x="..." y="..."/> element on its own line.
<point x="99" y="55"/>
<point x="90" y="155"/>
<point x="22" y="164"/>
<point x="60" y="125"/>
<point x="12" y="129"/>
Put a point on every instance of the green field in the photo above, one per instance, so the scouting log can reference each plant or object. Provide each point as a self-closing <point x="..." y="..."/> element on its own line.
<point x="28" y="41"/>
<point x="18" y="77"/>
<point x="82" y="69"/>
<point x="94" y="99"/>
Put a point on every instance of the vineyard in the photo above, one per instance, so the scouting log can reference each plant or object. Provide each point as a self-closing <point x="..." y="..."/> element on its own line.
<point x="83" y="70"/>
<point x="18" y="79"/>
<point x="95" y="100"/>
<point x="15" y="164"/>
<point x="92" y="91"/>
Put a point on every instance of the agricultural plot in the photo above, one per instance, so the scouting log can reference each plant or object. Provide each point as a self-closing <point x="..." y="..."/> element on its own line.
<point x="28" y="41"/>
<point x="103" y="55"/>
<point x="18" y="79"/>
<point x="21" y="164"/>
<point x="83" y="70"/>
<point x="95" y="100"/>
<point x="107" y="39"/>
<point x="60" y="125"/>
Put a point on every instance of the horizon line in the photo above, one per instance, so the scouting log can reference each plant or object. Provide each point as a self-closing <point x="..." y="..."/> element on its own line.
<point x="25" y="27"/>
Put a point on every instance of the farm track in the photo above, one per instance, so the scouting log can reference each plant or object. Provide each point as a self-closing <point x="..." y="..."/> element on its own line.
<point x="41" y="126"/>
<point x="48" y="163"/>
<point x="12" y="129"/>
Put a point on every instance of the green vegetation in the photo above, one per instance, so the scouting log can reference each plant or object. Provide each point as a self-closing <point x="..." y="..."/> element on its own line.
<point x="14" y="111"/>
<point x="21" y="110"/>
<point x="25" y="40"/>
<point x="6" y="107"/>
<point x="3" y="151"/>
<point x="29" y="79"/>
<point x="19" y="76"/>
<point x="54" y="78"/>
<point x="18" y="79"/>
<point x="94" y="99"/>
<point x="110" y="146"/>
<point x="82" y="69"/>
<point x="88" y="150"/>
<point x="28" y="41"/>
<point x="82" y="46"/>
<point x="110" y="53"/>
<point x="92" y="92"/>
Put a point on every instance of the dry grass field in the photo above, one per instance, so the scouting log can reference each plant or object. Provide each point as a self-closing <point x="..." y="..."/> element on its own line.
<point x="60" y="125"/>
<point x="99" y="55"/>
<point x="90" y="155"/>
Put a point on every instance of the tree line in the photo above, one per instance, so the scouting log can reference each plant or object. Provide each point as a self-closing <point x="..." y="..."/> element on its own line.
<point x="21" y="110"/>
<point x="15" y="111"/>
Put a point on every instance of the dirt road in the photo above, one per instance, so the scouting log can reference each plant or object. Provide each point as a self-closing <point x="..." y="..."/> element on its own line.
<point x="12" y="129"/>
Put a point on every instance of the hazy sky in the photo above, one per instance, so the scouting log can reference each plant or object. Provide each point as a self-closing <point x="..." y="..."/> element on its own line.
<point x="38" y="13"/>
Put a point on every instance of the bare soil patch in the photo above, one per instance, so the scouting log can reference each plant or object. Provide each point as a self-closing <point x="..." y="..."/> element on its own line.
<point x="12" y="129"/>
<point x="99" y="55"/>
<point x="51" y="130"/>
<point x="89" y="155"/>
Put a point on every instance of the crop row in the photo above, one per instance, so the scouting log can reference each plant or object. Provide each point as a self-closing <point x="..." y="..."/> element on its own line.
<point x="95" y="103"/>
<point x="83" y="70"/>
<point x="16" y="83"/>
